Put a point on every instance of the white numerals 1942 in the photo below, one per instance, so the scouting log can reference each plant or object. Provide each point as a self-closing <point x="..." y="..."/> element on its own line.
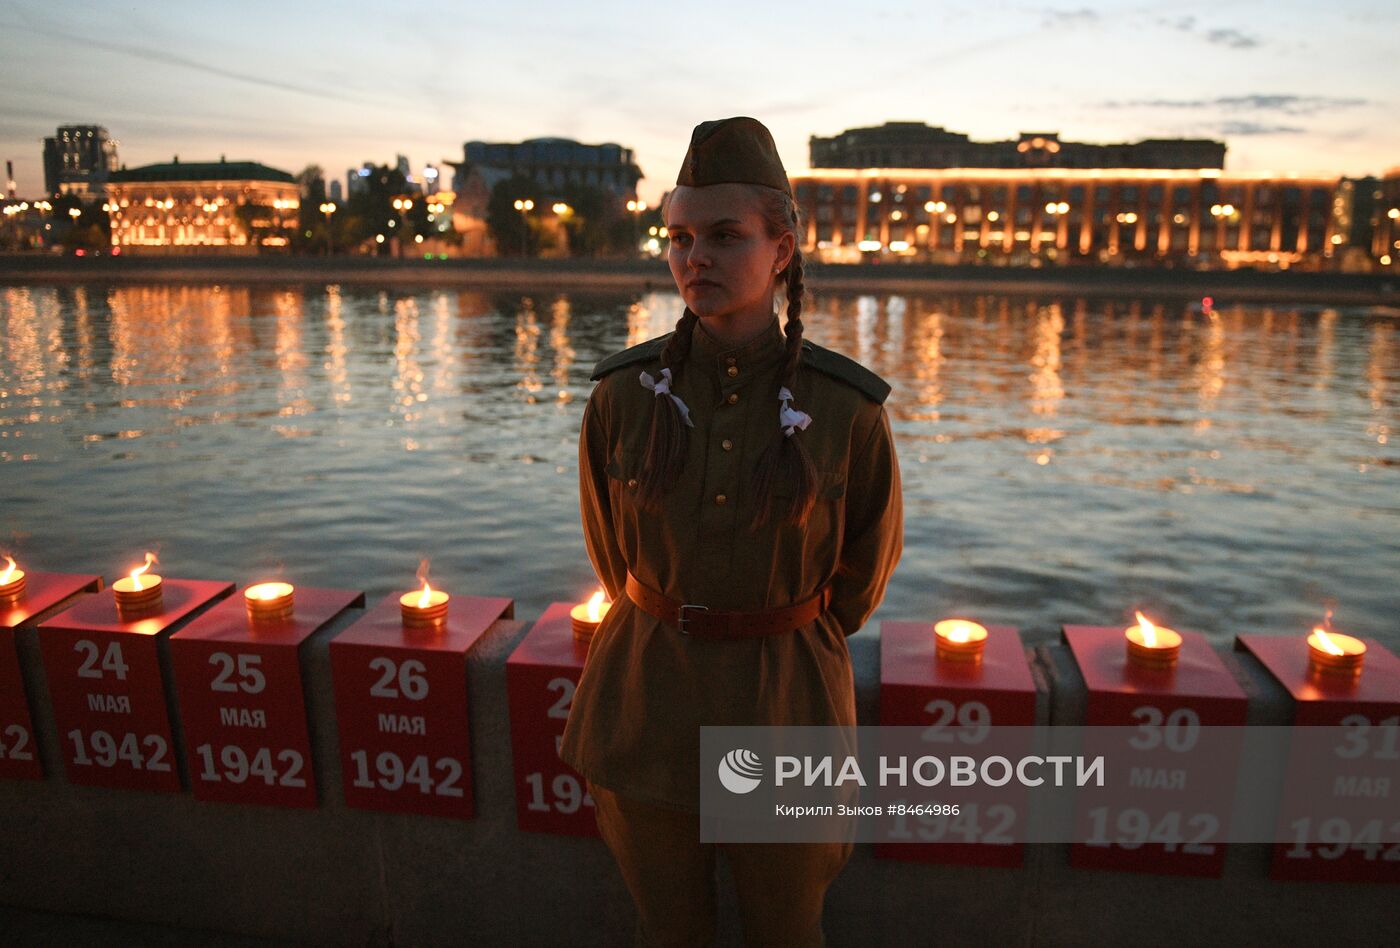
<point x="239" y="766"/>
<point x="141" y="753"/>
<point x="393" y="773"/>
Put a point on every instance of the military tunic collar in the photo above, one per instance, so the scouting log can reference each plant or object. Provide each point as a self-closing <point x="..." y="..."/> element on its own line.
<point x="760" y="352"/>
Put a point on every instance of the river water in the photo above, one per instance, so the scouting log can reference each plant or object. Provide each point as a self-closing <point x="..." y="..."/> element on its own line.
<point x="1064" y="460"/>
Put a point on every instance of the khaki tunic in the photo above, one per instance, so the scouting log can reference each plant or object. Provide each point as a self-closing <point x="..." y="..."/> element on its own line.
<point x="646" y="689"/>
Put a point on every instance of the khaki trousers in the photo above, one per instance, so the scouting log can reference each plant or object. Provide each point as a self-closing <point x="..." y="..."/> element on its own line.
<point x="671" y="875"/>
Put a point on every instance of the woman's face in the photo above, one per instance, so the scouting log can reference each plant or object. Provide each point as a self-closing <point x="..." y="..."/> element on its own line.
<point x="722" y="259"/>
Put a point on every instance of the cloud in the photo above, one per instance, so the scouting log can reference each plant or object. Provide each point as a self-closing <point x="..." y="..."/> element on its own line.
<point x="1255" y="128"/>
<point x="163" y="57"/>
<point x="1283" y="104"/>
<point x="1221" y="36"/>
<point x="1081" y="17"/>
<point x="1231" y="38"/>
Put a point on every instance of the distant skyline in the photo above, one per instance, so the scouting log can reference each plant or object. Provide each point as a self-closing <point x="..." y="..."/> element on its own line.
<point x="1288" y="85"/>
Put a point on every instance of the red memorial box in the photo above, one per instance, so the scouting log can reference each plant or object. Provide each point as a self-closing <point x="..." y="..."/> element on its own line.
<point x="401" y="707"/>
<point x="242" y="700"/>
<point x="541" y="675"/>
<point x="19" y="758"/>
<point x="956" y="703"/>
<point x="109" y="698"/>
<point x="1340" y="788"/>
<point x="1171" y="782"/>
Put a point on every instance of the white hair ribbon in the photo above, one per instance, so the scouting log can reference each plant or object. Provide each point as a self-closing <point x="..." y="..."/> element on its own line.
<point x="789" y="418"/>
<point x="663" y="387"/>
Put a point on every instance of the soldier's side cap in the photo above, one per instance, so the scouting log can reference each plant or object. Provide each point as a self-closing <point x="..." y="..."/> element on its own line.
<point x="737" y="150"/>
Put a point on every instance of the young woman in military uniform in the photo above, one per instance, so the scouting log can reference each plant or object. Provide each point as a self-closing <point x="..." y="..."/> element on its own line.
<point x="734" y="465"/>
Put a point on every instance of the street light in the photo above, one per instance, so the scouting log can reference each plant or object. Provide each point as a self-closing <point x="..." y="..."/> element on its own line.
<point x="524" y="207"/>
<point x="402" y="205"/>
<point x="636" y="207"/>
<point x="328" y="208"/>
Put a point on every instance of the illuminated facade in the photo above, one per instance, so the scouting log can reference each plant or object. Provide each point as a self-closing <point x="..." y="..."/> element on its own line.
<point x="1026" y="216"/>
<point x="237" y="207"/>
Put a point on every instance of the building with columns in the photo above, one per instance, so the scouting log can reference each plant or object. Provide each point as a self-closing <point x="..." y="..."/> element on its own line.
<point x="235" y="207"/>
<point x="908" y="191"/>
<point x="1204" y="217"/>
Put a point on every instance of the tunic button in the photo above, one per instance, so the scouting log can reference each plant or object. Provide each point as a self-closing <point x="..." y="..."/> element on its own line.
<point x="733" y="371"/>
<point x="720" y="499"/>
<point x="632" y="482"/>
<point x="733" y="397"/>
<point x="727" y="444"/>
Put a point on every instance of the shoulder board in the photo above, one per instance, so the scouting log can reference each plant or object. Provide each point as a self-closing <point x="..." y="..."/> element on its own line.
<point x="846" y="369"/>
<point x="638" y="353"/>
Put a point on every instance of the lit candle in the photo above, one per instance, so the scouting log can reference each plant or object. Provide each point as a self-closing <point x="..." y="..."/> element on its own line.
<point x="268" y="602"/>
<point x="425" y="608"/>
<point x="1334" y="653"/>
<point x="11" y="580"/>
<point x="959" y="640"/>
<point x="140" y="592"/>
<point x="587" y="616"/>
<point x="1151" y="645"/>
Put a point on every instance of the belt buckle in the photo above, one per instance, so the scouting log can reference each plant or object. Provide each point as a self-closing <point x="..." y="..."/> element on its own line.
<point x="681" y="620"/>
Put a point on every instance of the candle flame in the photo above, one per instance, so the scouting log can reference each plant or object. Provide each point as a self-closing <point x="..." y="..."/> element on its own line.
<point x="1149" y="631"/>
<point x="427" y="596"/>
<point x="1325" y="640"/>
<point x="595" y="606"/>
<point x="9" y="570"/>
<point x="136" y="573"/>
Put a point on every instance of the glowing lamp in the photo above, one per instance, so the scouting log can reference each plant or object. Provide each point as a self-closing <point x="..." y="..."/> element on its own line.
<point x="587" y="616"/>
<point x="959" y="640"/>
<point x="1335" y="654"/>
<point x="425" y="608"/>
<point x="1152" y="646"/>
<point x="269" y="602"/>
<point x="139" y="593"/>
<point x="11" y="580"/>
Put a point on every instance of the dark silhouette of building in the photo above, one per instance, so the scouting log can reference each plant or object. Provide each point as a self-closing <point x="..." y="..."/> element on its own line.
<point x="918" y="145"/>
<point x="78" y="159"/>
<point x="554" y="162"/>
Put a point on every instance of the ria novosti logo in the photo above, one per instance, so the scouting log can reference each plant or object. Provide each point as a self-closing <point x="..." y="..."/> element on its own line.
<point x="740" y="770"/>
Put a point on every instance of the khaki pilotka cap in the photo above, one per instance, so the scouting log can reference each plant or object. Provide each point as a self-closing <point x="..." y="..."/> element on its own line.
<point x="736" y="150"/>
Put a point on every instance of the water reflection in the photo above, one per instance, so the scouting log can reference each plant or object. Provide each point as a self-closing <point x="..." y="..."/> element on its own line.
<point x="1063" y="459"/>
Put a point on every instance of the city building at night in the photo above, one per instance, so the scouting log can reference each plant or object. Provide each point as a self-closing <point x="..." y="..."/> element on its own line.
<point x="909" y="191"/>
<point x="234" y="207"/>
<point x="1203" y="217"/>
<point x="78" y="160"/>
<point x="917" y="145"/>
<point x="555" y="162"/>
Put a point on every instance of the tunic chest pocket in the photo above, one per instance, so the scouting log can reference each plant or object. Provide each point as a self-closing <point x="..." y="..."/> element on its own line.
<point x="623" y="472"/>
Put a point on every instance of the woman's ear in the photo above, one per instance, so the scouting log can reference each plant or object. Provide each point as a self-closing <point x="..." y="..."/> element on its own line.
<point x="786" y="244"/>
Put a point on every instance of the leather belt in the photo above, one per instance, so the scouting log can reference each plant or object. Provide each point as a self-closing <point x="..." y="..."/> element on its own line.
<point x="703" y="622"/>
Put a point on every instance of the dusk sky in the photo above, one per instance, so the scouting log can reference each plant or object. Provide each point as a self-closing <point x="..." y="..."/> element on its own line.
<point x="1289" y="85"/>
